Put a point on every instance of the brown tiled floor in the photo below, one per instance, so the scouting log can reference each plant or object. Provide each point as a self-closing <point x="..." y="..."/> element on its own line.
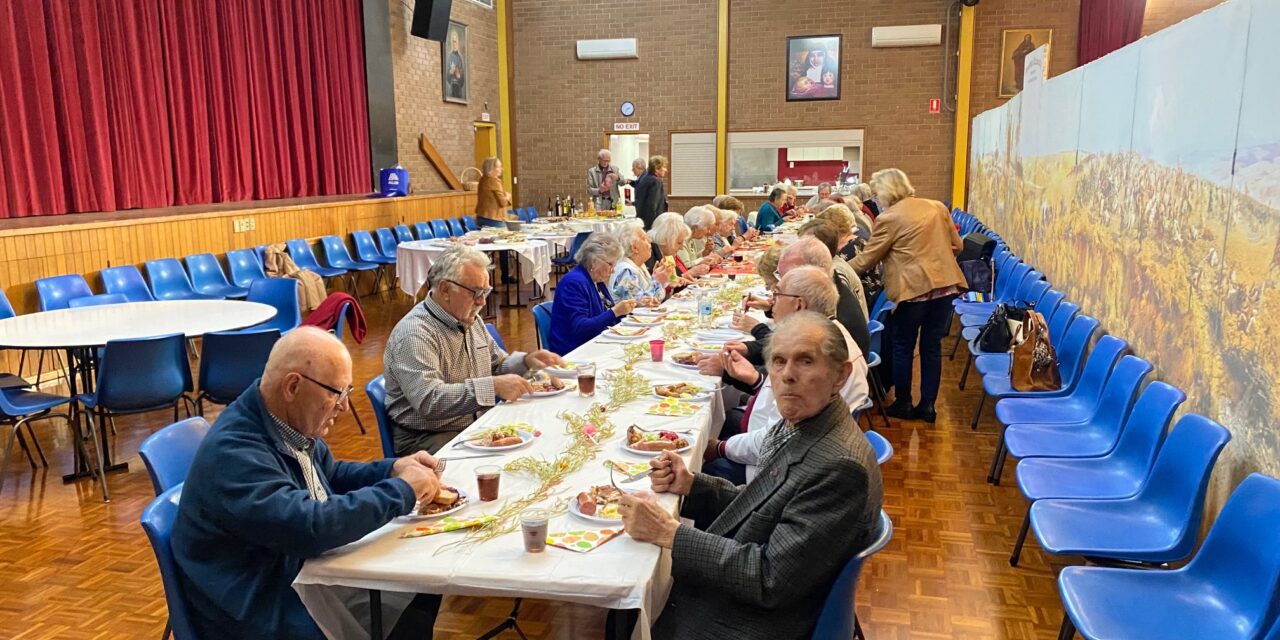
<point x="73" y="567"/>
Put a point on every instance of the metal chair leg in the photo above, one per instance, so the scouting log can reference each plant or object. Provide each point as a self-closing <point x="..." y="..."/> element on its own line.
<point x="997" y="460"/>
<point x="1068" y="630"/>
<point x="168" y="630"/>
<point x="44" y="462"/>
<point x="8" y="451"/>
<point x="857" y="629"/>
<point x="982" y="401"/>
<point x="1022" y="537"/>
<point x="968" y="363"/>
<point x="356" y="415"/>
<point x="99" y="457"/>
<point x="26" y="451"/>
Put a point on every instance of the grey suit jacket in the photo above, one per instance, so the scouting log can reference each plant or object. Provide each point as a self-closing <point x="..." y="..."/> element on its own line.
<point x="764" y="555"/>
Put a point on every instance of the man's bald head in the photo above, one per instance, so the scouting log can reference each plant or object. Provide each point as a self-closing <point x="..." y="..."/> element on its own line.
<point x="807" y="251"/>
<point x="307" y="370"/>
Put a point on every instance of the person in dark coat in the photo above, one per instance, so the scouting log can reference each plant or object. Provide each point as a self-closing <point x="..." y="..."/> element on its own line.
<point x="651" y="194"/>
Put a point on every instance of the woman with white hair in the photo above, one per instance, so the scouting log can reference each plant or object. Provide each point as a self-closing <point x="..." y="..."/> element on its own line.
<point x="702" y="222"/>
<point x="631" y="280"/>
<point x="918" y="243"/>
<point x="722" y="242"/>
<point x="583" y="306"/>
<point x="669" y="233"/>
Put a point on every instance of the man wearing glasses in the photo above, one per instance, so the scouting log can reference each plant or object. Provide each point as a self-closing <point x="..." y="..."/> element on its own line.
<point x="264" y="494"/>
<point x="443" y="370"/>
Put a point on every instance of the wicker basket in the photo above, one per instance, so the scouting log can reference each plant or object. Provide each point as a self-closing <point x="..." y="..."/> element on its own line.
<point x="467" y="183"/>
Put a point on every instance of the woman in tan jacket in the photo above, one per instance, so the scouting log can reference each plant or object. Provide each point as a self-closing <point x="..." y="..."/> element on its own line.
<point x="491" y="200"/>
<point x="917" y="242"/>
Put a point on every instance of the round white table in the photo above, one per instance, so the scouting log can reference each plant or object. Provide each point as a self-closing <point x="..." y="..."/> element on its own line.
<point x="80" y="331"/>
<point x="413" y="261"/>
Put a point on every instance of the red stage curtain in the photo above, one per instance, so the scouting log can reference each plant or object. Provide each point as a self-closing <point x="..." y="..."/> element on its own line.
<point x="122" y="104"/>
<point x="1107" y="25"/>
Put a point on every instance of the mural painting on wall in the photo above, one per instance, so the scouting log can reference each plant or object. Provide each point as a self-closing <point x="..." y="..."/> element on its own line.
<point x="813" y="68"/>
<point x="1014" y="47"/>
<point x="453" y="63"/>
<point x="1155" y="205"/>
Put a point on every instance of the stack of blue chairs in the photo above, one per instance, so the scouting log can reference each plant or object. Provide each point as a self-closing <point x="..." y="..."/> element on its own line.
<point x="1103" y="481"/>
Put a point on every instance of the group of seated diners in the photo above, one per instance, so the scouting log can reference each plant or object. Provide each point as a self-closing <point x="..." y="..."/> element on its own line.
<point x="790" y="490"/>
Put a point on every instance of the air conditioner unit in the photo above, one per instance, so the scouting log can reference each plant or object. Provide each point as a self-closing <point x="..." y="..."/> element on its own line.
<point x="912" y="35"/>
<point x="613" y="49"/>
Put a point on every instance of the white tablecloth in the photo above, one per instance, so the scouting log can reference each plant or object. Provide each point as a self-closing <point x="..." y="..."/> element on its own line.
<point x="622" y="574"/>
<point x="414" y="258"/>
<point x="94" y="326"/>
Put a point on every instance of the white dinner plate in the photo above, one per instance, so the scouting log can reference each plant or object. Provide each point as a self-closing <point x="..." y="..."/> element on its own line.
<point x="462" y="493"/>
<point x="718" y="335"/>
<point x="701" y="396"/>
<point x="573" y="508"/>
<point x="672" y="362"/>
<point x="651" y="311"/>
<point x="651" y="454"/>
<point x="639" y="322"/>
<point x="610" y="334"/>
<point x="569" y="386"/>
<point x="570" y="370"/>
<point x="525" y="437"/>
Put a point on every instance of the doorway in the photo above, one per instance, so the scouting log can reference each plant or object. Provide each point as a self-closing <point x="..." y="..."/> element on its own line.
<point x="486" y="142"/>
<point x="626" y="147"/>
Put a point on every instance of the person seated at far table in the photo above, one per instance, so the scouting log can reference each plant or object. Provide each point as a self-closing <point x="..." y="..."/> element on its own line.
<point x="264" y="494"/>
<point x="768" y="217"/>
<point x="669" y="234"/>
<point x="583" y="307"/>
<point x="702" y="223"/>
<point x="824" y="193"/>
<point x="729" y="203"/>
<point x="723" y="242"/>
<point x="735" y="454"/>
<point x="631" y="280"/>
<point x="442" y="368"/>
<point x="761" y="558"/>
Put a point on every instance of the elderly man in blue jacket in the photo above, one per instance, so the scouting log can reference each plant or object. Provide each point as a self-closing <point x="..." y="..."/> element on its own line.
<point x="264" y="494"/>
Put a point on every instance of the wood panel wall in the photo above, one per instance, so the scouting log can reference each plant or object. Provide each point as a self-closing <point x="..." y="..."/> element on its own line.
<point x="27" y="254"/>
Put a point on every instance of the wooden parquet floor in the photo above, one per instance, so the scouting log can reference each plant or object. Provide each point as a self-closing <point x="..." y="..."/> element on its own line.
<point x="72" y="567"/>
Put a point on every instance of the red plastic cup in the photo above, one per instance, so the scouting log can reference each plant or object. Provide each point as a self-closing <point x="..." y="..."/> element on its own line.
<point x="655" y="349"/>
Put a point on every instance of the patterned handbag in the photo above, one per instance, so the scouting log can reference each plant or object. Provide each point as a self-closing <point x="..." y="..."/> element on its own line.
<point x="1034" y="365"/>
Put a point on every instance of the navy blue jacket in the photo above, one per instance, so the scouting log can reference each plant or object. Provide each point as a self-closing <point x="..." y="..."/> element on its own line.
<point x="246" y="523"/>
<point x="578" y="315"/>
<point x="651" y="199"/>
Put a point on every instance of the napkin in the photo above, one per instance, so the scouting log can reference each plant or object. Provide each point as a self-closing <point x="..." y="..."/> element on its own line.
<point x="673" y="407"/>
<point x="447" y="523"/>
<point x="582" y="540"/>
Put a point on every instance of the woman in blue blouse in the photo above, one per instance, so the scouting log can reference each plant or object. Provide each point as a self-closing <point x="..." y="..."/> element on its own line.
<point x="768" y="216"/>
<point x="583" y="307"/>
<point x="630" y="279"/>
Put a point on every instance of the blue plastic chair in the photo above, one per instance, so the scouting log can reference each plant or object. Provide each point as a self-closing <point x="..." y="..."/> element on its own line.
<point x="542" y="318"/>
<point x="533" y="213"/>
<point x="1032" y="287"/>
<point x="157" y="520"/>
<point x="497" y="337"/>
<point x="881" y="445"/>
<point x="1093" y="437"/>
<point x="335" y="253"/>
<point x="469" y="223"/>
<point x="403" y="234"/>
<point x="56" y="292"/>
<point x="168" y="452"/>
<point x="455" y="227"/>
<point x="1075" y="407"/>
<point x="1119" y="474"/>
<point x="875" y="331"/>
<point x="377" y="392"/>
<point x="244" y="267"/>
<point x="1156" y="525"/>
<point x="524" y="215"/>
<point x="339" y="328"/>
<point x="207" y="278"/>
<point x="423" y="230"/>
<point x="367" y="250"/>
<point x="260" y="252"/>
<point x="1070" y="359"/>
<point x="1047" y="305"/>
<point x="1003" y="291"/>
<point x="281" y="293"/>
<point x="1229" y="591"/>
<point x="837" y="619"/>
<point x="440" y="229"/>
<point x="300" y="253"/>
<point x="387" y="241"/>
<point x="566" y="261"/>
<point x="169" y="281"/>
<point x="127" y="281"/>
<point x="230" y="361"/>
<point x="21" y="407"/>
<point x="97" y="301"/>
<point x="1058" y="321"/>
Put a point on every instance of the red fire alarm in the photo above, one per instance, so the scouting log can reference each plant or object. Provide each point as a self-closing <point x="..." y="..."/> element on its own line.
<point x="935" y="105"/>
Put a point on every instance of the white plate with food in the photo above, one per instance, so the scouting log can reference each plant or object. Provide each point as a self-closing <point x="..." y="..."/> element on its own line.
<point x="448" y="500"/>
<point x="503" y="437"/>
<point x="652" y="443"/>
<point x="682" y="391"/>
<point x="651" y="311"/>
<point x="569" y="370"/>
<point x="598" y="505"/>
<point x="706" y="347"/>
<point x="685" y="360"/>
<point x="645" y="322"/>
<point x="625" y="333"/>
<point x="547" y="388"/>
<point x="719" y="335"/>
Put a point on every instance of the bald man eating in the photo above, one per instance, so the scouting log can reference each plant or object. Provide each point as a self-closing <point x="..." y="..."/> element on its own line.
<point x="264" y="494"/>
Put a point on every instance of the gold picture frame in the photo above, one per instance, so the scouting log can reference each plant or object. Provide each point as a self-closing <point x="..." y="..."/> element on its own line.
<point x="1015" y="44"/>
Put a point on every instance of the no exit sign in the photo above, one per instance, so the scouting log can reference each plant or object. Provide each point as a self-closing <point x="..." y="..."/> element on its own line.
<point x="935" y="105"/>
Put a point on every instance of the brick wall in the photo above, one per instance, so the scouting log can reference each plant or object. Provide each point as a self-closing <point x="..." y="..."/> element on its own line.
<point x="1163" y="13"/>
<point x="994" y="16"/>
<point x="420" y="107"/>
<point x="565" y="107"/>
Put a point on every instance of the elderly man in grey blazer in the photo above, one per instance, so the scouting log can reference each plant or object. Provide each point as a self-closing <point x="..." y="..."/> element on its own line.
<point x="761" y="557"/>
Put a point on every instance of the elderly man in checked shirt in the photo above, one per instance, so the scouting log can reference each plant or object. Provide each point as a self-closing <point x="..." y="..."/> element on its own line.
<point x="762" y="557"/>
<point x="443" y="370"/>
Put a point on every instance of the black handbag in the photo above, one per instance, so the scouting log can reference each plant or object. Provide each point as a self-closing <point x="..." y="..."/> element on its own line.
<point x="996" y="336"/>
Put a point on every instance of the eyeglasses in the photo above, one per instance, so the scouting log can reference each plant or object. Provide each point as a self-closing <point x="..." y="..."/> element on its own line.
<point x="785" y="295"/>
<point x="341" y="394"/>
<point x="476" y="294"/>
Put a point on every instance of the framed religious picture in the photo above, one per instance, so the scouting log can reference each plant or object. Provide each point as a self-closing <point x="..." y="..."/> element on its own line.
<point x="813" y="68"/>
<point x="453" y="64"/>
<point x="1014" y="47"/>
